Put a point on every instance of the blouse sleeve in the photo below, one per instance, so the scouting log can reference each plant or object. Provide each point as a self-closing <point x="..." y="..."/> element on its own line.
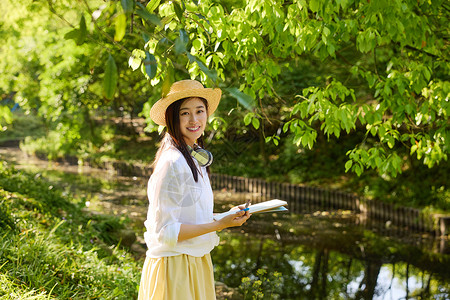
<point x="166" y="190"/>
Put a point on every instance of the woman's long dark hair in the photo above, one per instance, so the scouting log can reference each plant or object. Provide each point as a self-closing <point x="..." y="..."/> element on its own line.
<point x="174" y="137"/>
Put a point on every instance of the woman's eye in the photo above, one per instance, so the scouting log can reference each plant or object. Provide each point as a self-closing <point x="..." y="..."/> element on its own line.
<point x="184" y="113"/>
<point x="200" y="111"/>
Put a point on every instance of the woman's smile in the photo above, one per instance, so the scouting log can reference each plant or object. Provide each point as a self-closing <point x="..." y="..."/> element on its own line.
<point x="194" y="129"/>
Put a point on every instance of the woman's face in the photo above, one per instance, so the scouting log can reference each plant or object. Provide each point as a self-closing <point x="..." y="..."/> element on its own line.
<point x="193" y="117"/>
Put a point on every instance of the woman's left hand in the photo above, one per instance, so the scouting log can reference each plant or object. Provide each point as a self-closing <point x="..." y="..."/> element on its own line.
<point x="234" y="220"/>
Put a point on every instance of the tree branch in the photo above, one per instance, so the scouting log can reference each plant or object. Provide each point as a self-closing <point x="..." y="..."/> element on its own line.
<point x="102" y="32"/>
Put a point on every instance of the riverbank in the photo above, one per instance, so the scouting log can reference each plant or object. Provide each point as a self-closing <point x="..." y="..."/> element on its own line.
<point x="271" y="242"/>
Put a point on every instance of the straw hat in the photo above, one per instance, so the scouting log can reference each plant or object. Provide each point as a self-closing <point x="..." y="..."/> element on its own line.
<point x="184" y="89"/>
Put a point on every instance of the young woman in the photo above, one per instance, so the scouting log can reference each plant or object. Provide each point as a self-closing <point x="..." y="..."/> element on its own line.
<point x="180" y="229"/>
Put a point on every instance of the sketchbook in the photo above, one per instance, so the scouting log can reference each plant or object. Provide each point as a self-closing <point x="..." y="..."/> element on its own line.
<point x="274" y="205"/>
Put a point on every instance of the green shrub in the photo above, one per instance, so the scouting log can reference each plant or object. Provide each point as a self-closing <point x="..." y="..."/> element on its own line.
<point x="51" y="249"/>
<point x="262" y="286"/>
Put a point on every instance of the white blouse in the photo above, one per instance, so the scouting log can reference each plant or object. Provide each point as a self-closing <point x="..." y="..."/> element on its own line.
<point x="174" y="199"/>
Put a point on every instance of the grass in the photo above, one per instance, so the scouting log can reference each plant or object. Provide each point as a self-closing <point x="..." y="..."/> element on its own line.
<point x="51" y="249"/>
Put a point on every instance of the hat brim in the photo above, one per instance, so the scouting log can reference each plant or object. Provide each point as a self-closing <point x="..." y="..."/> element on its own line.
<point x="158" y="110"/>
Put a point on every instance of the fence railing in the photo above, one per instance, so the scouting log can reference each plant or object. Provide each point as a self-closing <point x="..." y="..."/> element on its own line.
<point x="304" y="199"/>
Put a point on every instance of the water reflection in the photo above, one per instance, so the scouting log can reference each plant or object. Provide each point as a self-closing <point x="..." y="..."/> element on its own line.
<point x="321" y="255"/>
<point x="370" y="268"/>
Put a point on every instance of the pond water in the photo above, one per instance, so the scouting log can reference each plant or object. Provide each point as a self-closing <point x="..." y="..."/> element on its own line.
<point x="319" y="255"/>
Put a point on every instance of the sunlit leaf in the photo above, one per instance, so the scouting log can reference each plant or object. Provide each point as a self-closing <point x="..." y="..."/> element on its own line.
<point x="6" y="115"/>
<point x="197" y="44"/>
<point x="348" y="165"/>
<point x="134" y="62"/>
<point x="248" y="118"/>
<point x="120" y="26"/>
<point x="152" y="5"/>
<point x="255" y="123"/>
<point x="314" y="5"/>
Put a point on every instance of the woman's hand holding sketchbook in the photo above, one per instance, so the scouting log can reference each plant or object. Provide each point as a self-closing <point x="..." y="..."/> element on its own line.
<point x="267" y="206"/>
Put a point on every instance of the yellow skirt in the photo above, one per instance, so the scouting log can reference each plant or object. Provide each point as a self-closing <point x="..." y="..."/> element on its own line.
<point x="177" y="277"/>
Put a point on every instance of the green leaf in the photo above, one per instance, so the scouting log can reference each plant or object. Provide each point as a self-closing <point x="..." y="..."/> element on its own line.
<point x="184" y="37"/>
<point x="248" y="118"/>
<point x="210" y="73"/>
<point x="134" y="62"/>
<point x="110" y="79"/>
<point x="127" y="5"/>
<point x="255" y="123"/>
<point x="191" y="57"/>
<point x="331" y="49"/>
<point x="120" y="26"/>
<point x="357" y="169"/>
<point x="136" y="58"/>
<point x="145" y="37"/>
<point x="5" y="114"/>
<point x="390" y="142"/>
<point x="94" y="59"/>
<point x="82" y="31"/>
<point x="180" y="46"/>
<point x="348" y="165"/>
<point x="286" y="127"/>
<point x="168" y="80"/>
<point x="197" y="44"/>
<point x="148" y="17"/>
<point x="152" y="5"/>
<point x="150" y="64"/>
<point x="72" y="35"/>
<point x="244" y="99"/>
<point x="178" y="10"/>
<point x="314" y="5"/>
<point x="378" y="161"/>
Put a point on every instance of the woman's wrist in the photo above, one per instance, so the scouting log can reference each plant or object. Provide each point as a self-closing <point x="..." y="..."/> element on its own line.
<point x="219" y="225"/>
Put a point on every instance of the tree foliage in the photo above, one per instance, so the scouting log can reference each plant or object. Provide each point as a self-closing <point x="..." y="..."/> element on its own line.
<point x="296" y="69"/>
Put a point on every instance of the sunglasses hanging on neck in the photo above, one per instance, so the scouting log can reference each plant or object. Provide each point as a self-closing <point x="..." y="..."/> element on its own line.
<point x="203" y="157"/>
